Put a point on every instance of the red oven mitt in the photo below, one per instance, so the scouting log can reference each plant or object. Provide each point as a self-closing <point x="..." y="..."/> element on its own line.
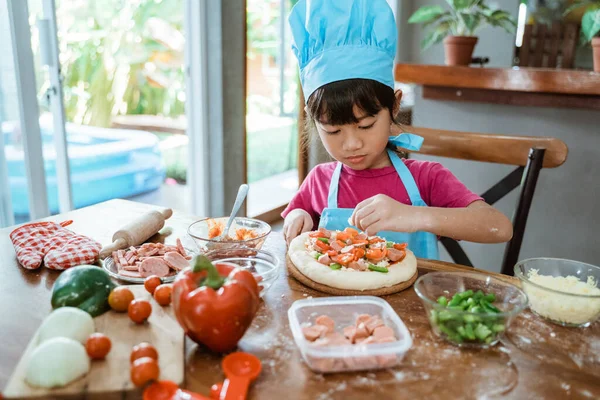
<point x="58" y="247"/>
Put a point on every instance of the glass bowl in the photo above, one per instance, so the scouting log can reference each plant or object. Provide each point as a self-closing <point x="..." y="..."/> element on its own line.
<point x="262" y="264"/>
<point x="483" y="329"/>
<point x="199" y="232"/>
<point x="561" y="305"/>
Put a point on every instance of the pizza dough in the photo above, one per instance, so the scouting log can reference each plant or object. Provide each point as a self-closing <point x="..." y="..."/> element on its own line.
<point x="347" y="278"/>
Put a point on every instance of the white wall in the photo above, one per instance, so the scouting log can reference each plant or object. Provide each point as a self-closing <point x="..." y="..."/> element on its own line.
<point x="494" y="43"/>
<point x="565" y="213"/>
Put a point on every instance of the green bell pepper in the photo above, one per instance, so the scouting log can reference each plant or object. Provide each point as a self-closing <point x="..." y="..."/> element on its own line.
<point x="86" y="287"/>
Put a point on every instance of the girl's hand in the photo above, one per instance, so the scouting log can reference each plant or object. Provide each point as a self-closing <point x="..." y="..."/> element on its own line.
<point x="296" y="222"/>
<point x="382" y="213"/>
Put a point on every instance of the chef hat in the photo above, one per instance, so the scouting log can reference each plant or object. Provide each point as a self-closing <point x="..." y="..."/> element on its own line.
<point x="336" y="40"/>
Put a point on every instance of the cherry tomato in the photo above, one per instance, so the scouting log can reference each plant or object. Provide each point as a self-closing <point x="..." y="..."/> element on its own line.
<point x="344" y="259"/>
<point x="151" y="283"/>
<point x="400" y="246"/>
<point x="358" y="253"/>
<point x="162" y="295"/>
<point x="143" y="350"/>
<point x="376" y="254"/>
<point x="343" y="236"/>
<point x="139" y="311"/>
<point x="351" y="231"/>
<point x="316" y="234"/>
<point x="97" y="346"/>
<point x="144" y="370"/>
<point x="322" y="245"/>
<point x="119" y="299"/>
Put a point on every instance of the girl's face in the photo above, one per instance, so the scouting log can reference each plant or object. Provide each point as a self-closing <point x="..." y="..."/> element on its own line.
<point x="361" y="145"/>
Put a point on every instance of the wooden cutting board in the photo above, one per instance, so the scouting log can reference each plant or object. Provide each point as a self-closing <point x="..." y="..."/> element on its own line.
<point x="109" y="378"/>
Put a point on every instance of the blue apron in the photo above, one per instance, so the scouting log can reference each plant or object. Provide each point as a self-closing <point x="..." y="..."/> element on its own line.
<point x="423" y="244"/>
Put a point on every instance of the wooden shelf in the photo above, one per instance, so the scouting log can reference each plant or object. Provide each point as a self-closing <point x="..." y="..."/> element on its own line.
<point x="514" y="86"/>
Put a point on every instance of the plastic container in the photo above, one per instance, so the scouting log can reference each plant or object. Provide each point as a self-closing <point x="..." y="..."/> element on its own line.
<point x="344" y="310"/>
<point x="448" y="323"/>
<point x="198" y="231"/>
<point x="557" y="306"/>
<point x="262" y="264"/>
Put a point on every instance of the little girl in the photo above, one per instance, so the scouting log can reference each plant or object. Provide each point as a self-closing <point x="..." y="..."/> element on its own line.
<point x="346" y="49"/>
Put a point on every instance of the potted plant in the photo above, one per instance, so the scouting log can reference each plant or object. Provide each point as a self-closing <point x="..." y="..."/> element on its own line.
<point x="590" y="26"/>
<point x="457" y="27"/>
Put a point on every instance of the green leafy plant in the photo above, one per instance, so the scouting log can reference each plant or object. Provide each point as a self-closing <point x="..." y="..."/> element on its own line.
<point x="464" y="18"/>
<point x="120" y="58"/>
<point x="590" y="23"/>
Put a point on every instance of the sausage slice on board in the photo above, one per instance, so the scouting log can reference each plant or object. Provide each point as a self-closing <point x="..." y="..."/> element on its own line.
<point x="154" y="266"/>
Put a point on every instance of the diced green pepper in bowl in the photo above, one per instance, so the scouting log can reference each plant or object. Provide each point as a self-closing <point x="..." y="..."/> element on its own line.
<point x="479" y="324"/>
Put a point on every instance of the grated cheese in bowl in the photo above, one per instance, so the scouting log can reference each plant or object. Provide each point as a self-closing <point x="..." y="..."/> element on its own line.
<point x="566" y="300"/>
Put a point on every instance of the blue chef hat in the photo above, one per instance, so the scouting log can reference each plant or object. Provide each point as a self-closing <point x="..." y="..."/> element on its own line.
<point x="336" y="40"/>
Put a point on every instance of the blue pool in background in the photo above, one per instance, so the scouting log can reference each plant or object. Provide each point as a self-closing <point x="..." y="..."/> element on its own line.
<point x="105" y="164"/>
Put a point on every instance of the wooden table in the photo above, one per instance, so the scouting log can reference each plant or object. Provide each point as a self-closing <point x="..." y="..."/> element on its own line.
<point x="536" y="359"/>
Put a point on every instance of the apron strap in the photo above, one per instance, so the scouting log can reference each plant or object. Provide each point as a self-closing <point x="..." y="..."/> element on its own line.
<point x="332" y="198"/>
<point x="407" y="179"/>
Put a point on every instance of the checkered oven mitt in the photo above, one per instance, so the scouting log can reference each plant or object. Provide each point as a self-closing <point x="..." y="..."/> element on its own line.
<point x="58" y="247"/>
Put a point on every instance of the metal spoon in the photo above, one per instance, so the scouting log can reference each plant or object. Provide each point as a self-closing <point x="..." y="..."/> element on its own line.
<point x="239" y="200"/>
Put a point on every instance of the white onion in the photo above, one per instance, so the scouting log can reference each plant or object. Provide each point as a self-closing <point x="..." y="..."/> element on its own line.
<point x="57" y="362"/>
<point x="69" y="322"/>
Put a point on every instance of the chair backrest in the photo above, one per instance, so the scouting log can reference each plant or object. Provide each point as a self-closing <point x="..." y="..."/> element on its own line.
<point x="549" y="46"/>
<point x="528" y="153"/>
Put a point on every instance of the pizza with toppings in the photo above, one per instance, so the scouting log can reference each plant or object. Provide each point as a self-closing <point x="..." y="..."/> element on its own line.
<point x="351" y="260"/>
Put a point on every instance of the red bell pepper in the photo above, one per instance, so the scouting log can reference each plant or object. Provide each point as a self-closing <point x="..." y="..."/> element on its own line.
<point x="215" y="304"/>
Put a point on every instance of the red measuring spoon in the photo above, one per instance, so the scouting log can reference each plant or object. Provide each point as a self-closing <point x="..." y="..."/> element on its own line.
<point x="168" y="390"/>
<point x="215" y="391"/>
<point x="241" y="369"/>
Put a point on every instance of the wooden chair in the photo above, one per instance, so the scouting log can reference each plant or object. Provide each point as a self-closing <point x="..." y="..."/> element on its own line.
<point x="528" y="153"/>
<point x="548" y="47"/>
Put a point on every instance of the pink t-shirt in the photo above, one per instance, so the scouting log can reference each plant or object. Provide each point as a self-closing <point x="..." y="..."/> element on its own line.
<point x="437" y="185"/>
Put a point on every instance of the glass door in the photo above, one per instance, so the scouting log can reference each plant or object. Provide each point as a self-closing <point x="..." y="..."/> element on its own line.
<point x="22" y="176"/>
<point x="123" y="84"/>
<point x="272" y="108"/>
<point x="121" y="131"/>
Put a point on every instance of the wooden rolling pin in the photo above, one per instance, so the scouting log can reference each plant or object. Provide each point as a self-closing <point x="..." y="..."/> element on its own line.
<point x="137" y="231"/>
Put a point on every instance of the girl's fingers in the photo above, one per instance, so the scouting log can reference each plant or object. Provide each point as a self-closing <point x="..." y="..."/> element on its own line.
<point x="286" y="229"/>
<point x="288" y="232"/>
<point x="360" y="214"/>
<point x="375" y="228"/>
<point x="300" y="224"/>
<point x="360" y="207"/>
<point x="307" y="224"/>
<point x="365" y="202"/>
<point x="369" y="220"/>
<point x="294" y="229"/>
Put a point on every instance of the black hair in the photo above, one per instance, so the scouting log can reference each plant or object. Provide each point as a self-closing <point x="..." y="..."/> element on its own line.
<point x="334" y="103"/>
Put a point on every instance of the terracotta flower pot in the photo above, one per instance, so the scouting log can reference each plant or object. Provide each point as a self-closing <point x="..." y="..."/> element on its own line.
<point x="459" y="49"/>
<point x="596" y="49"/>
